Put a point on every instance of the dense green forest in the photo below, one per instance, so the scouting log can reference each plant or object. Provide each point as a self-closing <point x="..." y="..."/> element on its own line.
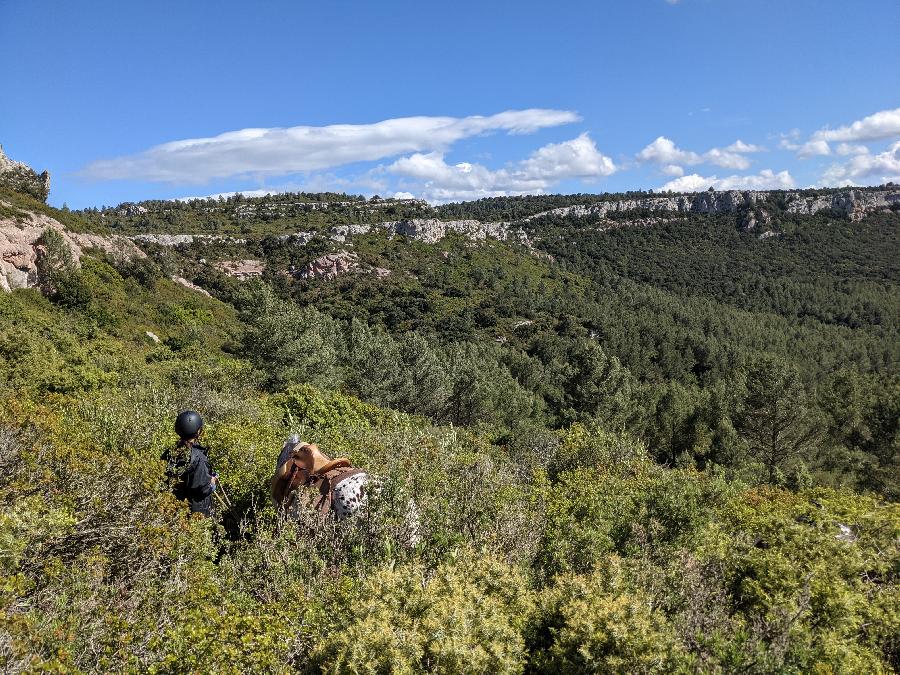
<point x="664" y="448"/>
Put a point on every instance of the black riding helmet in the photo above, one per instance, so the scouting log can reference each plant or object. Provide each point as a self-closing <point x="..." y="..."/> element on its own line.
<point x="188" y="424"/>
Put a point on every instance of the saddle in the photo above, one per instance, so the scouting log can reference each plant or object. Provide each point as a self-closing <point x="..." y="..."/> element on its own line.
<point x="314" y="490"/>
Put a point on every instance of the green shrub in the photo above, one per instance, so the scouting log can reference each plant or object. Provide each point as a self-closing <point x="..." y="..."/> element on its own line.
<point x="600" y="623"/>
<point x="466" y="616"/>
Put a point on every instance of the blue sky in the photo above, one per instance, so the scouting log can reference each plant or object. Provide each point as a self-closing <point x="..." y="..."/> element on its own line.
<point x="124" y="101"/>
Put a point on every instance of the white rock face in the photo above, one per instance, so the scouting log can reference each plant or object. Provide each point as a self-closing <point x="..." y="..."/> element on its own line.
<point x="299" y="238"/>
<point x="182" y="239"/>
<point x="854" y="203"/>
<point x="164" y="239"/>
<point x="20" y="250"/>
<point x="703" y="202"/>
<point x="432" y="230"/>
<point x="341" y="232"/>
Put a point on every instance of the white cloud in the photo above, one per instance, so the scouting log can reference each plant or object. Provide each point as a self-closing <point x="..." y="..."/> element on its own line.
<point x="790" y="140"/>
<point x="845" y="149"/>
<point x="279" y="151"/>
<point x="672" y="170"/>
<point x="664" y="152"/>
<point x="883" y="167"/>
<point x="812" y="148"/>
<point x="764" y="180"/>
<point x="728" y="160"/>
<point x="883" y="124"/>
<point x="740" y="146"/>
<point x="578" y="158"/>
<point x="404" y="195"/>
<point x="440" y="182"/>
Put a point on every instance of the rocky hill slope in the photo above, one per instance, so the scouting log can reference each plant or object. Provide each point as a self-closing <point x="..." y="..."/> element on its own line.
<point x="22" y="178"/>
<point x="336" y="221"/>
<point x="22" y="249"/>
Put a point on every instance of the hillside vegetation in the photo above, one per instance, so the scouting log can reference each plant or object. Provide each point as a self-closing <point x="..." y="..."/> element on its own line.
<point x="634" y="448"/>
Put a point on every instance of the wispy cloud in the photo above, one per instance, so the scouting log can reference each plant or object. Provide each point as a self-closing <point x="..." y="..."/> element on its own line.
<point x="281" y="151"/>
<point x="412" y="156"/>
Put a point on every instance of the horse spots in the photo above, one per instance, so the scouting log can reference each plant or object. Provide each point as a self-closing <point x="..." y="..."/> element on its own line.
<point x="349" y="496"/>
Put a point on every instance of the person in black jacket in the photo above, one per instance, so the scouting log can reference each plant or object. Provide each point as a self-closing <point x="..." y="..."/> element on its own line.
<point x="187" y="465"/>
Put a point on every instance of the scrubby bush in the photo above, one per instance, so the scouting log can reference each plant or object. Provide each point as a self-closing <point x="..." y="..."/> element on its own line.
<point x="467" y="615"/>
<point x="533" y="549"/>
<point x="601" y="623"/>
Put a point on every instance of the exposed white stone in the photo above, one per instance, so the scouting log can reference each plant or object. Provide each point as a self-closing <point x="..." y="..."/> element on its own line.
<point x="183" y="239"/>
<point x="853" y="203"/>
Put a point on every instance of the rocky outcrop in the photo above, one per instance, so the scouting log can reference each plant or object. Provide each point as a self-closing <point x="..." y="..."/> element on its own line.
<point x="132" y="209"/>
<point x="333" y="265"/>
<point x="754" y="209"/>
<point x="704" y="202"/>
<point x="242" y="269"/>
<point x="426" y="230"/>
<point x="330" y="266"/>
<point x="341" y="232"/>
<point x="20" y="248"/>
<point x="298" y="238"/>
<point x="184" y="239"/>
<point x="430" y="230"/>
<point x="22" y="178"/>
<point x="854" y="204"/>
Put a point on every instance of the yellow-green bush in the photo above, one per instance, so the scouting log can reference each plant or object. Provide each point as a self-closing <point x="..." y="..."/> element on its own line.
<point x="601" y="623"/>
<point x="586" y="557"/>
<point x="467" y="616"/>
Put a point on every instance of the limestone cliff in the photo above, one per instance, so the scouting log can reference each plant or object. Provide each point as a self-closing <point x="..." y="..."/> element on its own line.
<point x="20" y="247"/>
<point x="22" y="178"/>
<point x="852" y="203"/>
<point x="755" y="211"/>
<point x="855" y="204"/>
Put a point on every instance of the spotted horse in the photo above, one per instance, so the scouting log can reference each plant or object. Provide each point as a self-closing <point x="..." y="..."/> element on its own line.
<point x="306" y="479"/>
